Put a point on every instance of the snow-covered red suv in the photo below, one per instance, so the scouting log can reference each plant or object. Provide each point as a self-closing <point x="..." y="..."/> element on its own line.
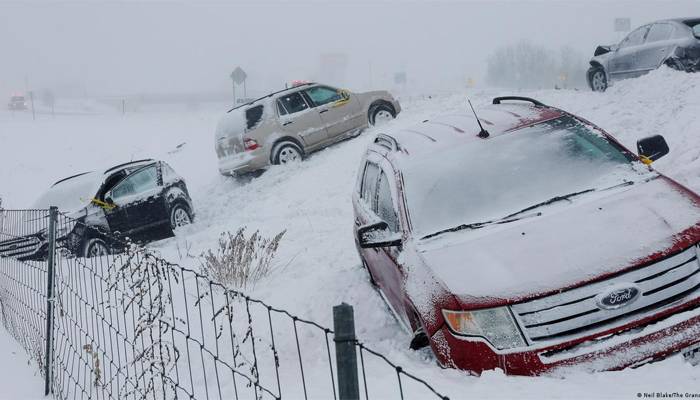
<point x="535" y="244"/>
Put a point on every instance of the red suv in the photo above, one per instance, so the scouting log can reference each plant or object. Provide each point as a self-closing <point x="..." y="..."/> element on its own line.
<point x="530" y="240"/>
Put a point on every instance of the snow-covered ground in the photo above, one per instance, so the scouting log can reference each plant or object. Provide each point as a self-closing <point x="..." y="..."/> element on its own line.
<point x="319" y="266"/>
<point x="19" y="379"/>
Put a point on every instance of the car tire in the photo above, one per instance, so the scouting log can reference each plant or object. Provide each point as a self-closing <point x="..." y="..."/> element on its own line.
<point x="286" y="153"/>
<point x="180" y="216"/>
<point x="381" y="113"/>
<point x="95" y="248"/>
<point x="674" y="64"/>
<point x="597" y="79"/>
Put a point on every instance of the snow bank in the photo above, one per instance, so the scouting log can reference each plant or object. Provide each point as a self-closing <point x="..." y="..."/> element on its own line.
<point x="318" y="263"/>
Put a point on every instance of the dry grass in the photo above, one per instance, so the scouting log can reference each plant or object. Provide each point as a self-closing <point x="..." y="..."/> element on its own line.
<point x="240" y="261"/>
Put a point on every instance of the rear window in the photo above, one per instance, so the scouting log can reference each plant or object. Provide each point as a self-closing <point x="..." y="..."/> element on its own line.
<point x="253" y="116"/>
<point x="694" y="24"/>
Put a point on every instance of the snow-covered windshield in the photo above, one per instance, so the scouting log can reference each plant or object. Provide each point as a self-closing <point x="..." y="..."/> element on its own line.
<point x="501" y="175"/>
<point x="71" y="194"/>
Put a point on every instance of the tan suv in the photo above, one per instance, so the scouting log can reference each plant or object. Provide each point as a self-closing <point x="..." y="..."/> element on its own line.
<point x="285" y="126"/>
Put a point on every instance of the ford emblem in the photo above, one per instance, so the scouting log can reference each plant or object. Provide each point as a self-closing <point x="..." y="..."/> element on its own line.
<point x="617" y="296"/>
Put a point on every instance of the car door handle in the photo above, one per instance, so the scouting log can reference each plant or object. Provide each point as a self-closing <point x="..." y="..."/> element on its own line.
<point x="287" y="123"/>
<point x="322" y="111"/>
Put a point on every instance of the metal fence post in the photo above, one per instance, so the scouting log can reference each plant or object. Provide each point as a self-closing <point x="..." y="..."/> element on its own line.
<point x="345" y="353"/>
<point x="50" y="271"/>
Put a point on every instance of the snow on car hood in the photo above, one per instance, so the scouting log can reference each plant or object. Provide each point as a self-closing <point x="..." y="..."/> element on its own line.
<point x="71" y="194"/>
<point x="568" y="244"/>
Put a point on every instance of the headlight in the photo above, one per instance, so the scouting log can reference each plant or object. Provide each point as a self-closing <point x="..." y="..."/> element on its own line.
<point x="493" y="324"/>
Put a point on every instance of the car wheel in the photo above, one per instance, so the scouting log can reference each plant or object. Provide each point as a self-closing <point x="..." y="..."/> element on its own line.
<point x="179" y="216"/>
<point x="381" y="114"/>
<point x="598" y="80"/>
<point x="674" y="64"/>
<point x="286" y="153"/>
<point x="96" y="248"/>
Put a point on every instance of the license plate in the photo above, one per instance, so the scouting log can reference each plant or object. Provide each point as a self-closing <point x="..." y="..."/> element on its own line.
<point x="692" y="355"/>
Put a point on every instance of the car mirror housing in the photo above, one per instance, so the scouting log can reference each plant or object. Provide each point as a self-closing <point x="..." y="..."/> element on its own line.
<point x="600" y="50"/>
<point x="377" y="235"/>
<point x="107" y="204"/>
<point x="652" y="148"/>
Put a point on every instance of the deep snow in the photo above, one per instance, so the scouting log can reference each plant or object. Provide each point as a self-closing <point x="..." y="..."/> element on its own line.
<point x="319" y="266"/>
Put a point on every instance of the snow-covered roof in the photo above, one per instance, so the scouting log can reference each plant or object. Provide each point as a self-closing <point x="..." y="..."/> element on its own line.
<point x="461" y="129"/>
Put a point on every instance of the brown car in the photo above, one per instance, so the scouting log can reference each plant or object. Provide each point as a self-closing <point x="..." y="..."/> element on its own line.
<point x="285" y="126"/>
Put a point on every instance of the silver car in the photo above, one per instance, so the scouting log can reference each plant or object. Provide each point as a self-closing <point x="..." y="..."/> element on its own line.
<point x="285" y="126"/>
<point x="673" y="42"/>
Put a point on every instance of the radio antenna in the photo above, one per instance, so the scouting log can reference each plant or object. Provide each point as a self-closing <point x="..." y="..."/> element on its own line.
<point x="483" y="133"/>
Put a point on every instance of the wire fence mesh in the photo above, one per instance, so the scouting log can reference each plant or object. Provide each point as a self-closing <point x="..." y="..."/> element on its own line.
<point x="127" y="324"/>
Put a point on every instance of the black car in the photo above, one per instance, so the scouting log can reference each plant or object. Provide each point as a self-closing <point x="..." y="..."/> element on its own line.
<point x="673" y="42"/>
<point x="142" y="200"/>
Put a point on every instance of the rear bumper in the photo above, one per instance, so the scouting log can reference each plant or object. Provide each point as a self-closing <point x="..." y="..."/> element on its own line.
<point x="628" y="346"/>
<point x="243" y="162"/>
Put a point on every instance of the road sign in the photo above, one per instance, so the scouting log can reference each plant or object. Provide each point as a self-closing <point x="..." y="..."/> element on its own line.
<point x="238" y="75"/>
<point x="623" y="25"/>
<point x="400" y="78"/>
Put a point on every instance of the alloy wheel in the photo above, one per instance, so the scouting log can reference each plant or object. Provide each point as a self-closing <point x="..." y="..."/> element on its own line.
<point x="598" y="81"/>
<point x="289" y="155"/>
<point x="180" y="218"/>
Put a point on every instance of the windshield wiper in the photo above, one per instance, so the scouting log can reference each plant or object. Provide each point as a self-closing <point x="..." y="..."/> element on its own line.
<point x="566" y="197"/>
<point x="550" y="201"/>
<point x="512" y="217"/>
<point x="477" y="225"/>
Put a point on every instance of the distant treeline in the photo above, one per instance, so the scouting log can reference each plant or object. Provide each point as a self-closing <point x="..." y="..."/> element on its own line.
<point x="528" y="66"/>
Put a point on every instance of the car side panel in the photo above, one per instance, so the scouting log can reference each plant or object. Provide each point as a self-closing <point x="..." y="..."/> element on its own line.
<point x="342" y="116"/>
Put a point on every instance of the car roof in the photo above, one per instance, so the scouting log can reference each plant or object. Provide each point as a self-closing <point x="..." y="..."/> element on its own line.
<point x="461" y="129"/>
<point x="279" y="92"/>
<point x="683" y="21"/>
<point x="130" y="164"/>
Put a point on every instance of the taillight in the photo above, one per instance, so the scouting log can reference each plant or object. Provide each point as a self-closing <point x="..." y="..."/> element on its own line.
<point x="250" y="144"/>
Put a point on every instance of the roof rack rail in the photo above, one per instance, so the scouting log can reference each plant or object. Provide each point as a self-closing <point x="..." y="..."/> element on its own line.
<point x="129" y="163"/>
<point x="498" y="100"/>
<point x="386" y="141"/>
<point x="270" y="95"/>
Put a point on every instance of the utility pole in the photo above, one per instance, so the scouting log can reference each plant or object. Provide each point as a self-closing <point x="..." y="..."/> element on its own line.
<point x="31" y="99"/>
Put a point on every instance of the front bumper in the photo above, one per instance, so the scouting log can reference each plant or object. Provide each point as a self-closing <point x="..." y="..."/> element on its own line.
<point x="647" y="340"/>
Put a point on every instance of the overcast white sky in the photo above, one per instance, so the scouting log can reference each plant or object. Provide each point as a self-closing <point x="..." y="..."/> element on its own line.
<point x="132" y="47"/>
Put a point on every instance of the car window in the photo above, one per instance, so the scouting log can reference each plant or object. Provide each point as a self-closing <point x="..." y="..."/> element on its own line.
<point x="385" y="204"/>
<point x="321" y="95"/>
<point x="141" y="181"/>
<point x="369" y="185"/>
<point x="659" y="32"/>
<point x="635" y="38"/>
<point x="696" y="30"/>
<point x="280" y="108"/>
<point x="253" y="116"/>
<point x="293" y="102"/>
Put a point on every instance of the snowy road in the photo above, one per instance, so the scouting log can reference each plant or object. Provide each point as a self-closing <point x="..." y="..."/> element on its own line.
<point x="319" y="266"/>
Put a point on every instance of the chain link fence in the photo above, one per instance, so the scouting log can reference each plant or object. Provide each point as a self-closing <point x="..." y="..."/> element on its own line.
<point x="131" y="325"/>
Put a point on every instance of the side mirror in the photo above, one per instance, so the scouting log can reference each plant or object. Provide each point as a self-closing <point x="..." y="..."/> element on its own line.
<point x="377" y="235"/>
<point x="600" y="50"/>
<point x="107" y="204"/>
<point x="345" y="94"/>
<point x="652" y="148"/>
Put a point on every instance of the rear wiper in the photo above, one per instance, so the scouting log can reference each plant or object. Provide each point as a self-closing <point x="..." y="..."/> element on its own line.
<point x="477" y="225"/>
